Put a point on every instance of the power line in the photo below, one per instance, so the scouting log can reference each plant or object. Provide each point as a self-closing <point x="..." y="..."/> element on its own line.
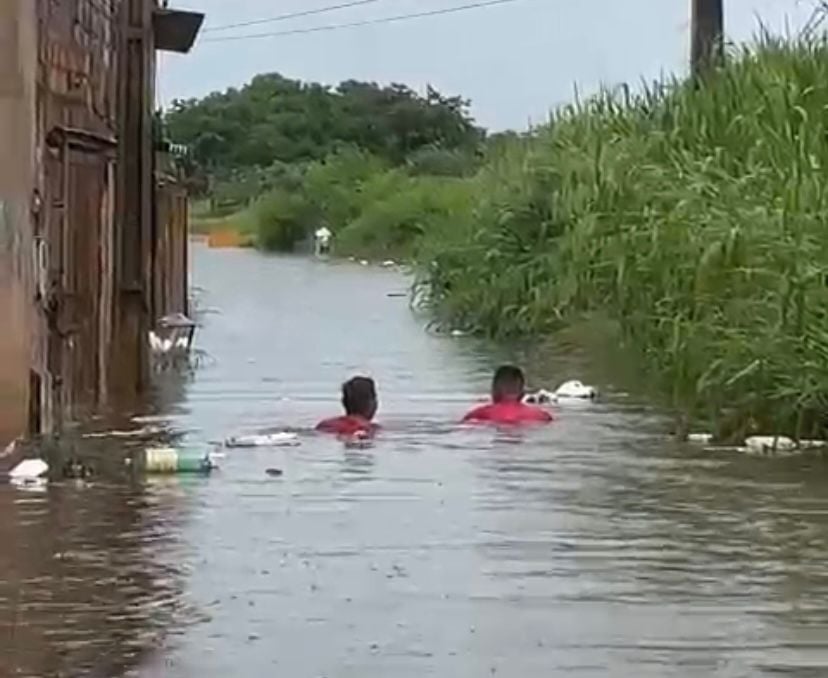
<point x="293" y="15"/>
<point x="367" y="22"/>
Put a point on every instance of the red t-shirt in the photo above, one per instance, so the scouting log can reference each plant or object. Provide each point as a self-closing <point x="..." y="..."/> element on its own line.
<point x="508" y="413"/>
<point x="347" y="426"/>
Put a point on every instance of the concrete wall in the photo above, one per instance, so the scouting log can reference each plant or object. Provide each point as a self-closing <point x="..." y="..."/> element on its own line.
<point x="18" y="59"/>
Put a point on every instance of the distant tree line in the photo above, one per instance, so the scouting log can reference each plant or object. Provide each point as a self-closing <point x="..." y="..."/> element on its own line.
<point x="276" y="121"/>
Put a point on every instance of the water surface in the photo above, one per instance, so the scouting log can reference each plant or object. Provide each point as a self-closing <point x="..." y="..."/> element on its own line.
<point x="594" y="547"/>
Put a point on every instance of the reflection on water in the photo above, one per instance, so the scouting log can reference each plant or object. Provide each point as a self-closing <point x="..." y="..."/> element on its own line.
<point x="590" y="548"/>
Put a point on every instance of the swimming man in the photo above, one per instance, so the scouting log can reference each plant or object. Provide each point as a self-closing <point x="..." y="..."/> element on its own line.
<point x="359" y="398"/>
<point x="507" y="406"/>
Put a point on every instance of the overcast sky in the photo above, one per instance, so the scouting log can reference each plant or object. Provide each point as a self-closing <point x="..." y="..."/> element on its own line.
<point x="514" y="61"/>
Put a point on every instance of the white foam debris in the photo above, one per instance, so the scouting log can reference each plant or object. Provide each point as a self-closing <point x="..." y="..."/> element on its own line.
<point x="283" y="439"/>
<point x="29" y="470"/>
<point x="576" y="390"/>
<point x="570" y="390"/>
<point x="769" y="445"/>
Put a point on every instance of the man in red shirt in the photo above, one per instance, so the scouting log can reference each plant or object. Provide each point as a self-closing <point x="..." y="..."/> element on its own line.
<point x="507" y="406"/>
<point x="359" y="398"/>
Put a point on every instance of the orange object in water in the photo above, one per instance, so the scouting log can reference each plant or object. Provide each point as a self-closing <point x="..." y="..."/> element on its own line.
<point x="228" y="238"/>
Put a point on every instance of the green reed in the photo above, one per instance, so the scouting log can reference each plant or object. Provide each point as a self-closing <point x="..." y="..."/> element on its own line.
<point x="694" y="214"/>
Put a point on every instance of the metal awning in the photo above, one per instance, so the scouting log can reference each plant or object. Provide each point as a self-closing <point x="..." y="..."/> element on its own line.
<point x="176" y="30"/>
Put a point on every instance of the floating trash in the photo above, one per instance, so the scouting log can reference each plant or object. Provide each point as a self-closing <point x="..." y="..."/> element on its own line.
<point x="29" y="470"/>
<point x="570" y="390"/>
<point x="168" y="460"/>
<point x="274" y="472"/>
<point x="769" y="445"/>
<point x="779" y="446"/>
<point x="576" y="390"/>
<point x="700" y="438"/>
<point x="283" y="439"/>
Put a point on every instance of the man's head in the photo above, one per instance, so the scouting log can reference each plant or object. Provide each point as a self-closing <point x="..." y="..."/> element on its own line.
<point x="508" y="384"/>
<point x="359" y="397"/>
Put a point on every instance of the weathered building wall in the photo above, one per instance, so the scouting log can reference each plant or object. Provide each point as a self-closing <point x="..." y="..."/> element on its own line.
<point x="17" y="96"/>
<point x="171" y="242"/>
<point x="78" y="59"/>
<point x="134" y="208"/>
<point x="92" y="252"/>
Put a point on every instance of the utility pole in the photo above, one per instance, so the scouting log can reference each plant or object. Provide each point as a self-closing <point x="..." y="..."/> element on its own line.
<point x="707" y="49"/>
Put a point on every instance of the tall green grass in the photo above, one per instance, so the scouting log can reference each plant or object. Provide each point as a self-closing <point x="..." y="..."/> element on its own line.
<point x="693" y="214"/>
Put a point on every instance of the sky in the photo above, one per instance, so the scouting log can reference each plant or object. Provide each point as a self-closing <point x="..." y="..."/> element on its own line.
<point x="515" y="61"/>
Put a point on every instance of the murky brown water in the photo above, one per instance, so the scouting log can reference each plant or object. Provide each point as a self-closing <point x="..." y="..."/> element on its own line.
<point x="591" y="548"/>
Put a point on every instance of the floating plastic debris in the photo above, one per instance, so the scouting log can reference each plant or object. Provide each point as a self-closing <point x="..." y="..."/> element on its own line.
<point x="283" y="439"/>
<point x="570" y="390"/>
<point x="168" y="460"/>
<point x="779" y="446"/>
<point x="29" y="470"/>
<point x="576" y="390"/>
<point x="29" y="474"/>
<point x="458" y="333"/>
<point x="389" y="263"/>
<point x="274" y="472"/>
<point x="769" y="445"/>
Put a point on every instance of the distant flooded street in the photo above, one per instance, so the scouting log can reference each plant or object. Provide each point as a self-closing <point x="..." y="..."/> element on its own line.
<point x="594" y="547"/>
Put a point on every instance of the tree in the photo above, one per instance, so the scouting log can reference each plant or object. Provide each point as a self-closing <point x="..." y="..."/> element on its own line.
<point x="276" y="119"/>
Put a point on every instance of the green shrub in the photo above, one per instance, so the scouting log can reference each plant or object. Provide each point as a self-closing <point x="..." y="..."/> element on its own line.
<point x="438" y="162"/>
<point x="398" y="222"/>
<point x="283" y="220"/>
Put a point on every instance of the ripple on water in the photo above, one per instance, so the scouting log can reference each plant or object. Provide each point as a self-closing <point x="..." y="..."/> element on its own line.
<point x="592" y="548"/>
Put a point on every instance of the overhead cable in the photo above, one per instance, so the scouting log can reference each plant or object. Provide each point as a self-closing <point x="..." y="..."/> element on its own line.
<point x="366" y="22"/>
<point x="292" y="15"/>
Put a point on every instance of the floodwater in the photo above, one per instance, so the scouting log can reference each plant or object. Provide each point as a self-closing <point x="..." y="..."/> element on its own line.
<point x="594" y="547"/>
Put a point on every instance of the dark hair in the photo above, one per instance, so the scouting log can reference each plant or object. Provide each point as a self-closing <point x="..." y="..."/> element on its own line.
<point x="508" y="383"/>
<point x="359" y="397"/>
